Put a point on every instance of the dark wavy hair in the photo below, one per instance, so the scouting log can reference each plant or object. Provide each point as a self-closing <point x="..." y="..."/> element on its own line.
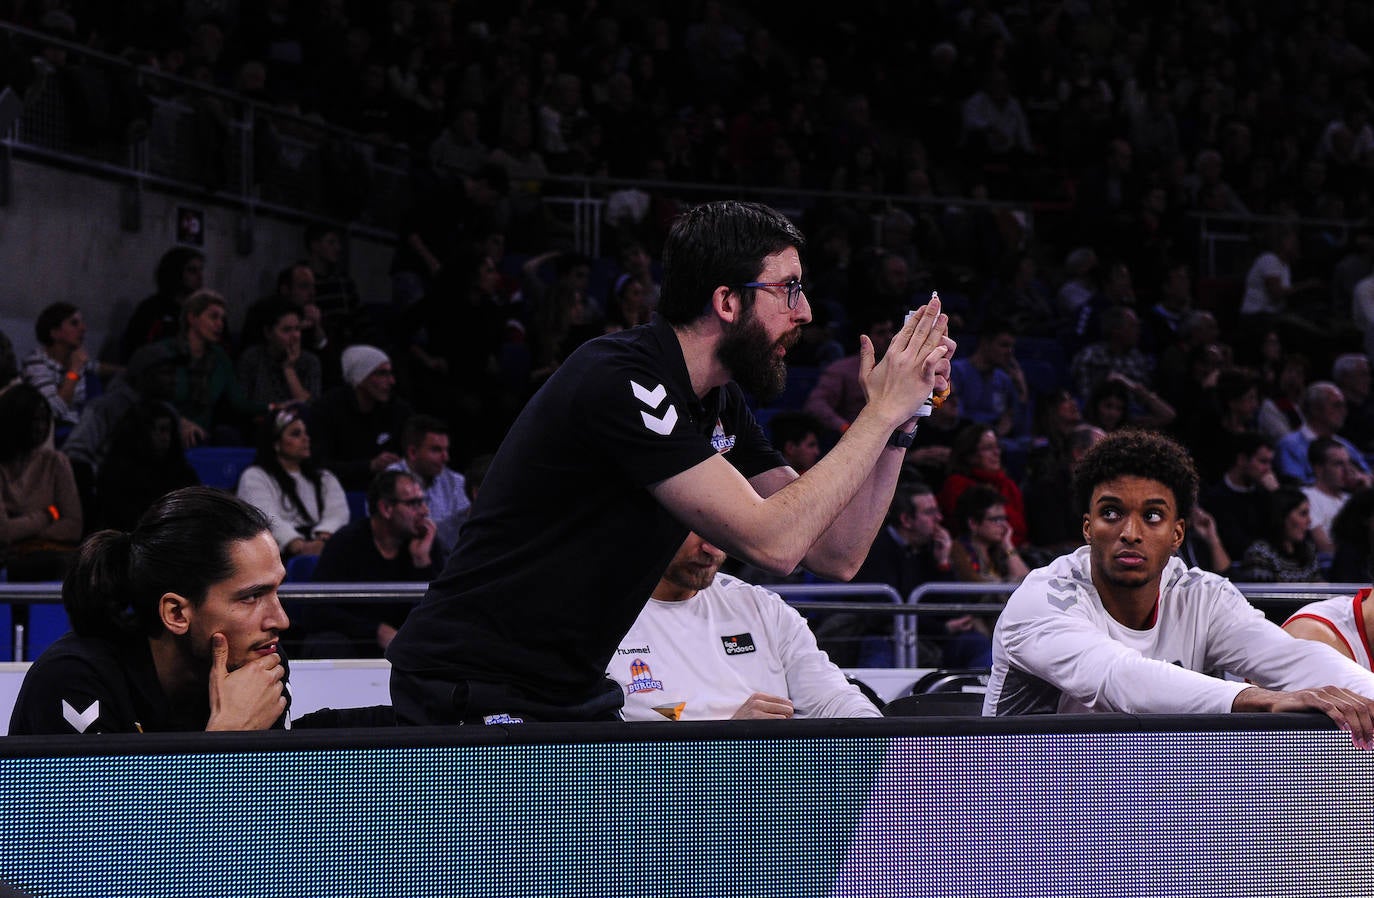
<point x="266" y="458"/>
<point x="1137" y="453"/>
<point x="181" y="544"/>
<point x="719" y="244"/>
<point x="1278" y="505"/>
<point x="1107" y="389"/>
<point x="965" y="446"/>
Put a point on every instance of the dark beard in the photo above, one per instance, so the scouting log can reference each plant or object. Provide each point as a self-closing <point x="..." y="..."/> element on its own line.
<point x="690" y="577"/>
<point x="747" y="353"/>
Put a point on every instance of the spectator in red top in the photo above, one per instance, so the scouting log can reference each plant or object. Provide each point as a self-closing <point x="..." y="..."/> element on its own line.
<point x="976" y="457"/>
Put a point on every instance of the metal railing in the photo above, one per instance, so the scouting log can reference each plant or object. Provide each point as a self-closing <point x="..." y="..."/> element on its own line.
<point x="184" y="136"/>
<point x="145" y="128"/>
<point x="804" y="597"/>
<point x="828" y="597"/>
<point x="1228" y="243"/>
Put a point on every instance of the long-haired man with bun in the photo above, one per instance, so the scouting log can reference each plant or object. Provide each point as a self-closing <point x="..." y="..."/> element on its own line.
<point x="175" y="627"/>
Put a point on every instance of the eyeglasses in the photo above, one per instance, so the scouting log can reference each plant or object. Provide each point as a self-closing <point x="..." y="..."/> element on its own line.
<point x="793" y="287"/>
<point x="995" y="519"/>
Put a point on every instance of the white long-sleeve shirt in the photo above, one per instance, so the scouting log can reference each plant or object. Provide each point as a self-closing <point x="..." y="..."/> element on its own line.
<point x="702" y="657"/>
<point x="1056" y="649"/>
<point x="257" y="488"/>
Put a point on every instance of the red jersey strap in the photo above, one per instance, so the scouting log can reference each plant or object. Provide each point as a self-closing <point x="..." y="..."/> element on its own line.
<point x="1359" y="620"/>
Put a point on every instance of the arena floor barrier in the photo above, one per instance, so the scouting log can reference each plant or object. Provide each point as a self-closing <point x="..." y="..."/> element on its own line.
<point x="1235" y="805"/>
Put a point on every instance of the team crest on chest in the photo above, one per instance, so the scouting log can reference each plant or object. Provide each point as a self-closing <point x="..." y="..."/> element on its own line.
<point x="719" y="441"/>
<point x="642" y="678"/>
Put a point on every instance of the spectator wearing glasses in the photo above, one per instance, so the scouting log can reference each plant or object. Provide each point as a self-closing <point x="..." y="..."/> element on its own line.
<point x="395" y="543"/>
<point x="1323" y="410"/>
<point x="982" y="552"/>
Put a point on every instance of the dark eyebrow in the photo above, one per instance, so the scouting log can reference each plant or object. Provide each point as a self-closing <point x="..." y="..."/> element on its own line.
<point x="255" y="589"/>
<point x="1154" y="500"/>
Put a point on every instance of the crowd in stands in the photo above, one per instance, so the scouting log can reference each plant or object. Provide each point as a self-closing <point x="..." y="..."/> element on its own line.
<point x="1112" y="123"/>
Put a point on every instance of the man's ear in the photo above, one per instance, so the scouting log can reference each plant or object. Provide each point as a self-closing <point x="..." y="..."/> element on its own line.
<point x="176" y="612"/>
<point x="726" y="303"/>
<point x="1087" y="531"/>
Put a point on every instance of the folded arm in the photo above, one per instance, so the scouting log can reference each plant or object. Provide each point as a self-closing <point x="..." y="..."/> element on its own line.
<point x="1086" y="664"/>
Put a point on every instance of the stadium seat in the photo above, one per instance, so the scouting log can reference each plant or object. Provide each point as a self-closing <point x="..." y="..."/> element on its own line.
<point x="46" y="623"/>
<point x="1043" y="376"/>
<point x="1042" y="349"/>
<point x="6" y="633"/>
<point x="220" y="466"/>
<point x="970" y="681"/>
<point x="936" y="704"/>
<point x="869" y="692"/>
<point x="301" y="568"/>
<point x="357" y="504"/>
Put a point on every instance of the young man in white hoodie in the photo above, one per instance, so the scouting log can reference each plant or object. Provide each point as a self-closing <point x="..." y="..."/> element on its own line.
<point x="1122" y="625"/>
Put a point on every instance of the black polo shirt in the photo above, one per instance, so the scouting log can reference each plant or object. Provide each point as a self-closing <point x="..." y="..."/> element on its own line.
<point x="565" y="542"/>
<point x="84" y="684"/>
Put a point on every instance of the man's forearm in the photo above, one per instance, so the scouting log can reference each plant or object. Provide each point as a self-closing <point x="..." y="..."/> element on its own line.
<point x="822" y="505"/>
<point x="842" y="548"/>
<point x="774" y="519"/>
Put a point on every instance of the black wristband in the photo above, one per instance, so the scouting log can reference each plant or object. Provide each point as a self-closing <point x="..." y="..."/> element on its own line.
<point x="901" y="439"/>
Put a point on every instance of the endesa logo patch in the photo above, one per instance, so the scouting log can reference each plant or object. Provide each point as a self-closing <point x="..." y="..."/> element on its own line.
<point x="742" y="644"/>
<point x="719" y="441"/>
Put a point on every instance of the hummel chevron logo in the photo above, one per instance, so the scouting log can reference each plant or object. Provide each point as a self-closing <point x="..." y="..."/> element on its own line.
<point x="652" y="398"/>
<point x="663" y="424"/>
<point x="82" y="720"/>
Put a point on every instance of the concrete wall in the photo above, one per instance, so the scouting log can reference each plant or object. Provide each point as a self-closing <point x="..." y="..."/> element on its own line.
<point x="60" y="239"/>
